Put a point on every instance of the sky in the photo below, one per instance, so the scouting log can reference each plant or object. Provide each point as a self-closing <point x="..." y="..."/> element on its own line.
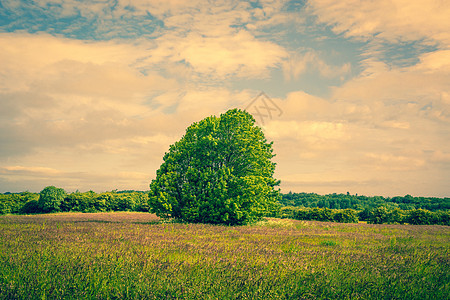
<point x="354" y="94"/>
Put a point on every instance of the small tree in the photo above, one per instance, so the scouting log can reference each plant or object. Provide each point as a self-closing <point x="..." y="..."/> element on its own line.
<point x="50" y="199"/>
<point x="378" y="215"/>
<point x="219" y="172"/>
<point x="346" y="216"/>
<point x="420" y="217"/>
<point x="31" y="207"/>
<point x="396" y="216"/>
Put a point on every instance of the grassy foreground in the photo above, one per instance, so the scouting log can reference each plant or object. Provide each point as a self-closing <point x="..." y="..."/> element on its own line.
<point x="133" y="256"/>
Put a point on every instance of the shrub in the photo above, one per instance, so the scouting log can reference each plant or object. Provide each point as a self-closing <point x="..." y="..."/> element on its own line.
<point x="396" y="216"/>
<point x="378" y="215"/>
<point x="442" y="217"/>
<point x="346" y="216"/>
<point x="50" y="199"/>
<point x="31" y="207"/>
<point x="420" y="217"/>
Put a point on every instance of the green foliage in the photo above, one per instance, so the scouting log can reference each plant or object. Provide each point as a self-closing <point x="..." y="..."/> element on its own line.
<point x="141" y="202"/>
<point x="397" y="216"/>
<point x="220" y="172"/>
<point x="442" y="217"/>
<point x="342" y="201"/>
<point x="420" y="217"/>
<point x="50" y="199"/>
<point x="364" y="214"/>
<point x="31" y="207"/>
<point x="346" y="216"/>
<point x="81" y="202"/>
<point x="12" y="203"/>
<point x="108" y="201"/>
<point x="27" y="203"/>
<point x="378" y="215"/>
<point x="381" y="215"/>
<point x="319" y="214"/>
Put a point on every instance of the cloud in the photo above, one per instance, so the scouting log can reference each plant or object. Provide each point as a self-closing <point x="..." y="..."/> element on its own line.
<point x="434" y="61"/>
<point x="300" y="64"/>
<point x="60" y="92"/>
<point x="88" y="20"/>
<point x="313" y="135"/>
<point x="208" y="41"/>
<point x="215" y="58"/>
<point x="33" y="170"/>
<point x="94" y="110"/>
<point x="441" y="157"/>
<point x="26" y="58"/>
<point x="158" y="7"/>
<point x="379" y="132"/>
<point x="105" y="20"/>
<point x="240" y="55"/>
<point x="57" y="91"/>
<point x="391" y="162"/>
<point x="93" y="93"/>
<point x="401" y="93"/>
<point x="15" y="178"/>
<point x="390" y="20"/>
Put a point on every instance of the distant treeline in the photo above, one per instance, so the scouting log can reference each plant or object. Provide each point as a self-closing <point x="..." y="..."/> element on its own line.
<point x="378" y="215"/>
<point x="27" y="203"/>
<point x="344" y="201"/>
<point x="343" y="208"/>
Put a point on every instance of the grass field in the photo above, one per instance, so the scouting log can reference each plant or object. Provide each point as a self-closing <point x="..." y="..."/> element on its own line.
<point x="134" y="256"/>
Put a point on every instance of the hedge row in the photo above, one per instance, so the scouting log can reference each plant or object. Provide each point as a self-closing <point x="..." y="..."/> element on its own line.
<point x="379" y="215"/>
<point x="52" y="199"/>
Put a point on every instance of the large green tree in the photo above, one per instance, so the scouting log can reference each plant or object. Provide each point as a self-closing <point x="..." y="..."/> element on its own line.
<point x="50" y="199"/>
<point x="220" y="172"/>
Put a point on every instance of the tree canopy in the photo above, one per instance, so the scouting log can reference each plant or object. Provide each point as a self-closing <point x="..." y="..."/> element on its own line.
<point x="219" y="172"/>
<point x="50" y="199"/>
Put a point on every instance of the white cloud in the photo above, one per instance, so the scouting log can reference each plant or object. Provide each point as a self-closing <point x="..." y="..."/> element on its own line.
<point x="101" y="114"/>
<point x="418" y="91"/>
<point x="22" y="169"/>
<point x="240" y="54"/>
<point x="434" y="61"/>
<point x="312" y="134"/>
<point x="61" y="92"/>
<point x="299" y="64"/>
<point x="392" y="162"/>
<point x="85" y="108"/>
<point x="36" y="178"/>
<point x="27" y="58"/>
<point x="216" y="58"/>
<point x="390" y="20"/>
<point x="379" y="132"/>
<point x="159" y="7"/>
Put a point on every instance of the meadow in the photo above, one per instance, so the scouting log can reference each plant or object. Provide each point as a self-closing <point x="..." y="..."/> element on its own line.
<point x="130" y="255"/>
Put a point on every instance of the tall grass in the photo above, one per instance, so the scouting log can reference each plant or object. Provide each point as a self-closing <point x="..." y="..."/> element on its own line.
<point x="134" y="256"/>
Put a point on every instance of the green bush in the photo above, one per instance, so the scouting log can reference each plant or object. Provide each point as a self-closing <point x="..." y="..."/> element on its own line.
<point x="321" y="214"/>
<point x="396" y="216"/>
<point x="346" y="216"/>
<point x="31" y="207"/>
<point x="442" y="217"/>
<point x="288" y="212"/>
<point x="420" y="217"/>
<point x="378" y="215"/>
<point x="50" y="199"/>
